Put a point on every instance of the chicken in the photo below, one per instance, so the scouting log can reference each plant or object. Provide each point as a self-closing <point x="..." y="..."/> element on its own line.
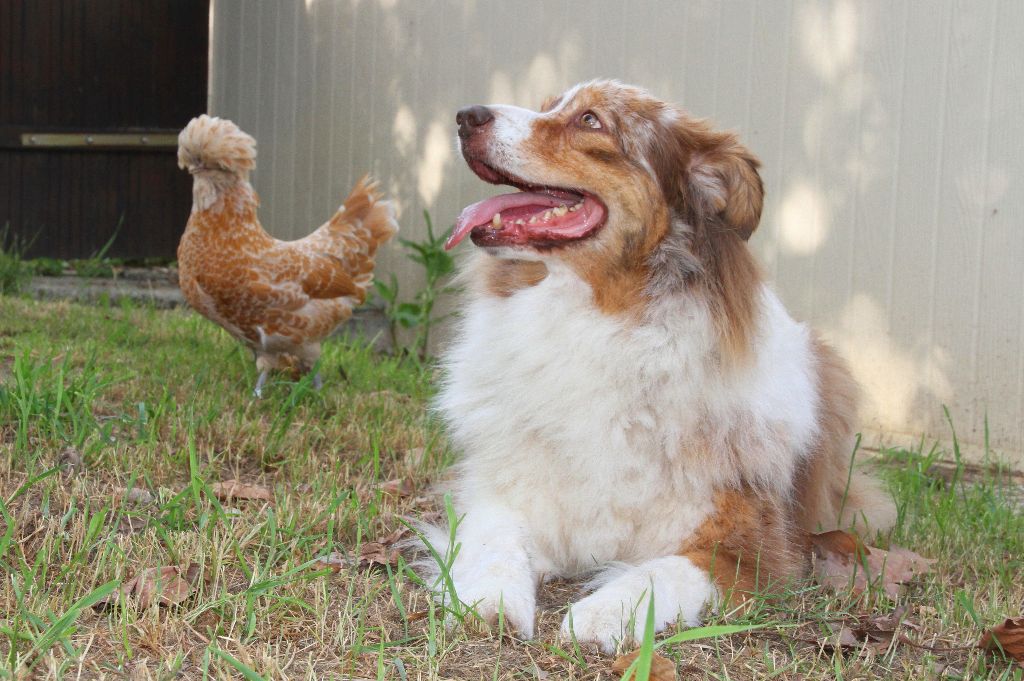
<point x="280" y="298"/>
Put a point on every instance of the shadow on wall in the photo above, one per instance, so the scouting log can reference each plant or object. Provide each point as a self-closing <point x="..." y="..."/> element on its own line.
<point x="885" y="195"/>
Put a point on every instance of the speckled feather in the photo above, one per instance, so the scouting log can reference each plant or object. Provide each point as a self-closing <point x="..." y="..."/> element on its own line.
<point x="280" y="298"/>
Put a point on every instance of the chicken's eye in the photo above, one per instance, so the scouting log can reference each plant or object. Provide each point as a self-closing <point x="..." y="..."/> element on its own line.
<point x="590" y="120"/>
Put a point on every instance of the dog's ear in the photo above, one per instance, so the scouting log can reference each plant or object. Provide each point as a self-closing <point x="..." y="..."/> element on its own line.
<point x="722" y="176"/>
<point x="707" y="171"/>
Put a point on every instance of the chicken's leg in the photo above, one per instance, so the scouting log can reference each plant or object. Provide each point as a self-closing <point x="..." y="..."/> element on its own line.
<point x="258" y="390"/>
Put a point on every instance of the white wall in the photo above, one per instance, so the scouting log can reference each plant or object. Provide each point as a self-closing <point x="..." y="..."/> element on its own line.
<point x="891" y="135"/>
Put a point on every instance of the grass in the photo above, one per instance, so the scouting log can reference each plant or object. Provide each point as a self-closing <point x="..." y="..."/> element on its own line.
<point x="13" y="269"/>
<point x="96" y="401"/>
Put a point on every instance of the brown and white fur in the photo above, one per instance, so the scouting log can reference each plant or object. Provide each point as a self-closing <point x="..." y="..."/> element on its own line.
<point x="634" y="402"/>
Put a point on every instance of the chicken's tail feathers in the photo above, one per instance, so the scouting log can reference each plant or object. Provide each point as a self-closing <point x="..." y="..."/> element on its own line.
<point x="366" y="206"/>
<point x="211" y="143"/>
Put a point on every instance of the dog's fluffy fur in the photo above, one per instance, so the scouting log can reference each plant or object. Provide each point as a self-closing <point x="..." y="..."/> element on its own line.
<point x="636" y="403"/>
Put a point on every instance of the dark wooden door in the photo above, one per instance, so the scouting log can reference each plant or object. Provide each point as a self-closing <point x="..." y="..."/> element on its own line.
<point x="92" y="95"/>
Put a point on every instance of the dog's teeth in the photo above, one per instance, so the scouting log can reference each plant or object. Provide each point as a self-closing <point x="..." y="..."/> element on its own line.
<point x="533" y="219"/>
<point x="520" y="222"/>
<point x="575" y="207"/>
<point x="560" y="211"/>
<point x="496" y="220"/>
<point x="547" y="215"/>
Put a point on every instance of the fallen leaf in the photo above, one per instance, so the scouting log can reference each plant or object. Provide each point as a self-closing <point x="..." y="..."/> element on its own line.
<point x="131" y="524"/>
<point x="375" y="553"/>
<point x="401" y="487"/>
<point x="888" y="623"/>
<point x="840" y="637"/>
<point x="839" y="542"/>
<point x="1008" y="636"/>
<point x="662" y="669"/>
<point x="395" y="536"/>
<point x="844" y="638"/>
<point x="899" y="565"/>
<point x="875" y="632"/>
<point x="334" y="561"/>
<point x="192" y="573"/>
<point x="136" y="495"/>
<point x="842" y="561"/>
<point x="382" y="551"/>
<point x="164" y="585"/>
<point x="235" y="489"/>
<point x="70" y="460"/>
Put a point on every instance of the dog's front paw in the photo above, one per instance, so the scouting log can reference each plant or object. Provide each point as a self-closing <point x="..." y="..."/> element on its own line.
<point x="602" y="620"/>
<point x="495" y="593"/>
<point x="617" y="612"/>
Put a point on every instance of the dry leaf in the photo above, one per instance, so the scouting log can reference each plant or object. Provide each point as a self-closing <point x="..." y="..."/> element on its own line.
<point x="840" y="637"/>
<point x="70" y="460"/>
<point x="379" y="552"/>
<point x="136" y="495"/>
<point x="131" y="524"/>
<point x="375" y="553"/>
<point x="842" y="561"/>
<point x="163" y="585"/>
<point x="401" y="487"/>
<point x="875" y="632"/>
<point x="1009" y="636"/>
<point x="192" y="573"/>
<point x="334" y="561"/>
<point x="845" y="638"/>
<point x="395" y="536"/>
<point x="888" y="623"/>
<point x="382" y="551"/>
<point x="662" y="669"/>
<point x="235" y="489"/>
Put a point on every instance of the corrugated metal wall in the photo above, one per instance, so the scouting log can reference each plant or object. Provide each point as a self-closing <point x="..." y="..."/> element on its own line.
<point x="891" y="135"/>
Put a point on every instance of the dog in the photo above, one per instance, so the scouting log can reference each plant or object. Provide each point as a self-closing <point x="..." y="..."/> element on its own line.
<point x="629" y="398"/>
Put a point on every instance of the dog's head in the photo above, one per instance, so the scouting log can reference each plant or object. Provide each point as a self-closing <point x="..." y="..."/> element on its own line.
<point x="632" y="192"/>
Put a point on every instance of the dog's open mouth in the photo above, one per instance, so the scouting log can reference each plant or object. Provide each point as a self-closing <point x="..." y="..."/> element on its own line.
<point x="537" y="216"/>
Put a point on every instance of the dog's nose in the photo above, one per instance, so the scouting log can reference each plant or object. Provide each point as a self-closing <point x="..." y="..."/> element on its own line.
<point x="472" y="117"/>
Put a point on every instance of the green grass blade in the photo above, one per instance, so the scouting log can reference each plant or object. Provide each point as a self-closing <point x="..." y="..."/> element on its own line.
<point x="244" y="669"/>
<point x="708" y="632"/>
<point x="63" y="625"/>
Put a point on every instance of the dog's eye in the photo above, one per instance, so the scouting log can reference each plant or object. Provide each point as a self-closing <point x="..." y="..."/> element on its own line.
<point x="590" y="120"/>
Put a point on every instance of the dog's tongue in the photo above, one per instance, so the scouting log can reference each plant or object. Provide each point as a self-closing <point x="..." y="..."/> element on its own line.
<point x="516" y="203"/>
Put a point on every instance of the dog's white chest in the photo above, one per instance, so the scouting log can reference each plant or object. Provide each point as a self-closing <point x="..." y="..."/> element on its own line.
<point x="575" y="421"/>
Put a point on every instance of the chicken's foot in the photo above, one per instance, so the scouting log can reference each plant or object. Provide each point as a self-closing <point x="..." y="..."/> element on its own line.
<point x="258" y="390"/>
